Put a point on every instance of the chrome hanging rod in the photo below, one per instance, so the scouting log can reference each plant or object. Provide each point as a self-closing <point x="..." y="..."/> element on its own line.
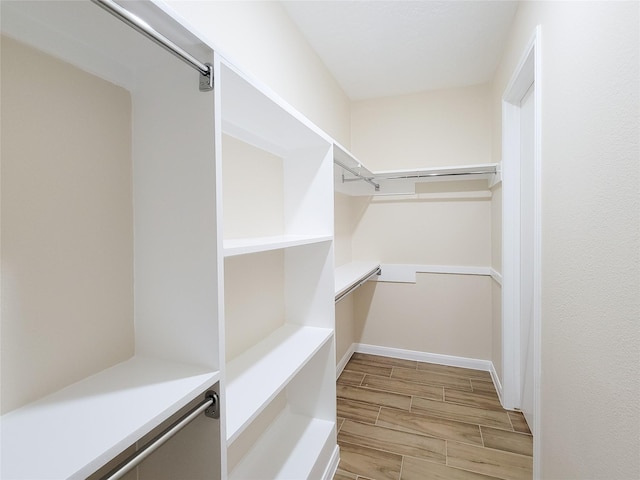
<point x="357" y="174"/>
<point x="210" y="406"/>
<point x="205" y="69"/>
<point x="377" y="271"/>
<point x="436" y="174"/>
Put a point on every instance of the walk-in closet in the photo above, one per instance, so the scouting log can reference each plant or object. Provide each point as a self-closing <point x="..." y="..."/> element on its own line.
<point x="248" y="240"/>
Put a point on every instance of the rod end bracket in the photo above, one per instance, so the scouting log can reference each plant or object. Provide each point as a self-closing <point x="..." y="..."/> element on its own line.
<point x="206" y="79"/>
<point x="213" y="411"/>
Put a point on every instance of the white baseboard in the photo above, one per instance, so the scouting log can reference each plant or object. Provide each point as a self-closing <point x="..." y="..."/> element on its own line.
<point x="450" y="360"/>
<point x="332" y="467"/>
<point x="345" y="358"/>
<point x="453" y="361"/>
<point x="496" y="382"/>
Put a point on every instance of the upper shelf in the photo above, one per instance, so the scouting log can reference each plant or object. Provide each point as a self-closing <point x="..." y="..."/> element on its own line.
<point x="76" y="430"/>
<point x="257" y="116"/>
<point x="353" y="178"/>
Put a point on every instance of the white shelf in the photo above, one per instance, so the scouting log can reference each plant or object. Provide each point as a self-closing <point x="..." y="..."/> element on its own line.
<point x="76" y="430"/>
<point x="350" y="274"/>
<point x="293" y="447"/>
<point x="244" y="246"/>
<point x="255" y="377"/>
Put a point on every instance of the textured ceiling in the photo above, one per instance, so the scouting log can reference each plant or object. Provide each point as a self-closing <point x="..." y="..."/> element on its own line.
<point x="383" y="48"/>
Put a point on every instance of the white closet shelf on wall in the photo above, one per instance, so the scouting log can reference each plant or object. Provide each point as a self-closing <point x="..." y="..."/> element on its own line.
<point x="243" y="246"/>
<point x="73" y="432"/>
<point x="350" y="275"/>
<point x="256" y="376"/>
<point x="352" y="178"/>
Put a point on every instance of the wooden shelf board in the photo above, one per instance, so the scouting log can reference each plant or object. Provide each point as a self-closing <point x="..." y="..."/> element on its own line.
<point x="73" y="432"/>
<point x="289" y="448"/>
<point x="351" y="273"/>
<point x="255" y="377"/>
<point x="245" y="246"/>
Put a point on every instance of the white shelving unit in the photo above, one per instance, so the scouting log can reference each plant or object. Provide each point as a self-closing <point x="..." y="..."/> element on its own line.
<point x="77" y="422"/>
<point x="277" y="201"/>
<point x="230" y="196"/>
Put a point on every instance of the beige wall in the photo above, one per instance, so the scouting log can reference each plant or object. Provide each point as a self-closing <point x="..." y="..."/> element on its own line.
<point x="262" y="40"/>
<point x="445" y="223"/>
<point x="67" y="225"/>
<point x="590" y="380"/>
<point x="431" y="129"/>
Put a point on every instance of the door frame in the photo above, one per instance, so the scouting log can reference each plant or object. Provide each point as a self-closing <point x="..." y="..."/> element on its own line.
<point x="526" y="73"/>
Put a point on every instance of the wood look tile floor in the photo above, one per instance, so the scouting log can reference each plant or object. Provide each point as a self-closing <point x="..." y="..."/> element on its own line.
<point x="408" y="420"/>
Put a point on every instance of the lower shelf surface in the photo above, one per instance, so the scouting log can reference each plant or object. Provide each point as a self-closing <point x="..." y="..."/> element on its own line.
<point x="293" y="447"/>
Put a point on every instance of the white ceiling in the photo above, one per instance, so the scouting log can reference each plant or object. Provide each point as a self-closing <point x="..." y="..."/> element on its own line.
<point x="384" y="48"/>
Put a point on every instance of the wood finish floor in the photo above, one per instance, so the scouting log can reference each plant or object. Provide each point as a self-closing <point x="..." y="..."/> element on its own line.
<point x="408" y="420"/>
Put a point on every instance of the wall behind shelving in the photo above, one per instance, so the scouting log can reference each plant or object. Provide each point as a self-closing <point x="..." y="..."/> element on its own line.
<point x="67" y="218"/>
<point x="447" y="224"/>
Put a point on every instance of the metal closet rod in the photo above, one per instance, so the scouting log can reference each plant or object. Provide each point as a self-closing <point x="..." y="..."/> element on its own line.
<point x="205" y="69"/>
<point x="435" y="174"/>
<point x="210" y="405"/>
<point x="377" y="271"/>
<point x="357" y="174"/>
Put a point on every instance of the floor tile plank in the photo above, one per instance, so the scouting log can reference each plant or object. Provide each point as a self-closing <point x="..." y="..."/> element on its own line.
<point x="375" y="464"/>
<point x="348" y="377"/>
<point x="342" y="475"/>
<point x="358" y="411"/>
<point x="519" y="423"/>
<point x="489" y="462"/>
<point x="430" y="378"/>
<point x="513" y="442"/>
<point x="483" y="386"/>
<point x="384" y="361"/>
<point x="363" y="367"/>
<point x="397" y="385"/>
<point x="394" y="441"/>
<point x="416" y="469"/>
<point x="473" y="399"/>
<point x="429" y="425"/>
<point x="462" y="413"/>
<point x="374" y="397"/>
<point x="456" y="371"/>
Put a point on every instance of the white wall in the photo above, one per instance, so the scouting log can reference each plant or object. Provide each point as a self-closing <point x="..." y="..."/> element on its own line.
<point x="446" y="223"/>
<point x="590" y="408"/>
<point x="67" y="218"/>
<point x="261" y="39"/>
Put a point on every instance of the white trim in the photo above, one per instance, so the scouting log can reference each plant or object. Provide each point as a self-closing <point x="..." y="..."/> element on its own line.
<point x="450" y="360"/>
<point x="332" y="466"/>
<point x="345" y="359"/>
<point x="496" y="276"/>
<point x="527" y="72"/>
<point x="407" y="273"/>
<point x="496" y="382"/>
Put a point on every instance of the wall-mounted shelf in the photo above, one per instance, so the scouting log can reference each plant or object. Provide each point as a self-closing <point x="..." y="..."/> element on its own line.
<point x="79" y="428"/>
<point x="258" y="375"/>
<point x="351" y="275"/>
<point x="352" y="178"/>
<point x="243" y="246"/>
<point x="286" y="444"/>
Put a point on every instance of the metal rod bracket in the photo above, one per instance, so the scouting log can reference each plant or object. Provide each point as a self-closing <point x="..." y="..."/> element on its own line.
<point x="206" y="79"/>
<point x="213" y="411"/>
